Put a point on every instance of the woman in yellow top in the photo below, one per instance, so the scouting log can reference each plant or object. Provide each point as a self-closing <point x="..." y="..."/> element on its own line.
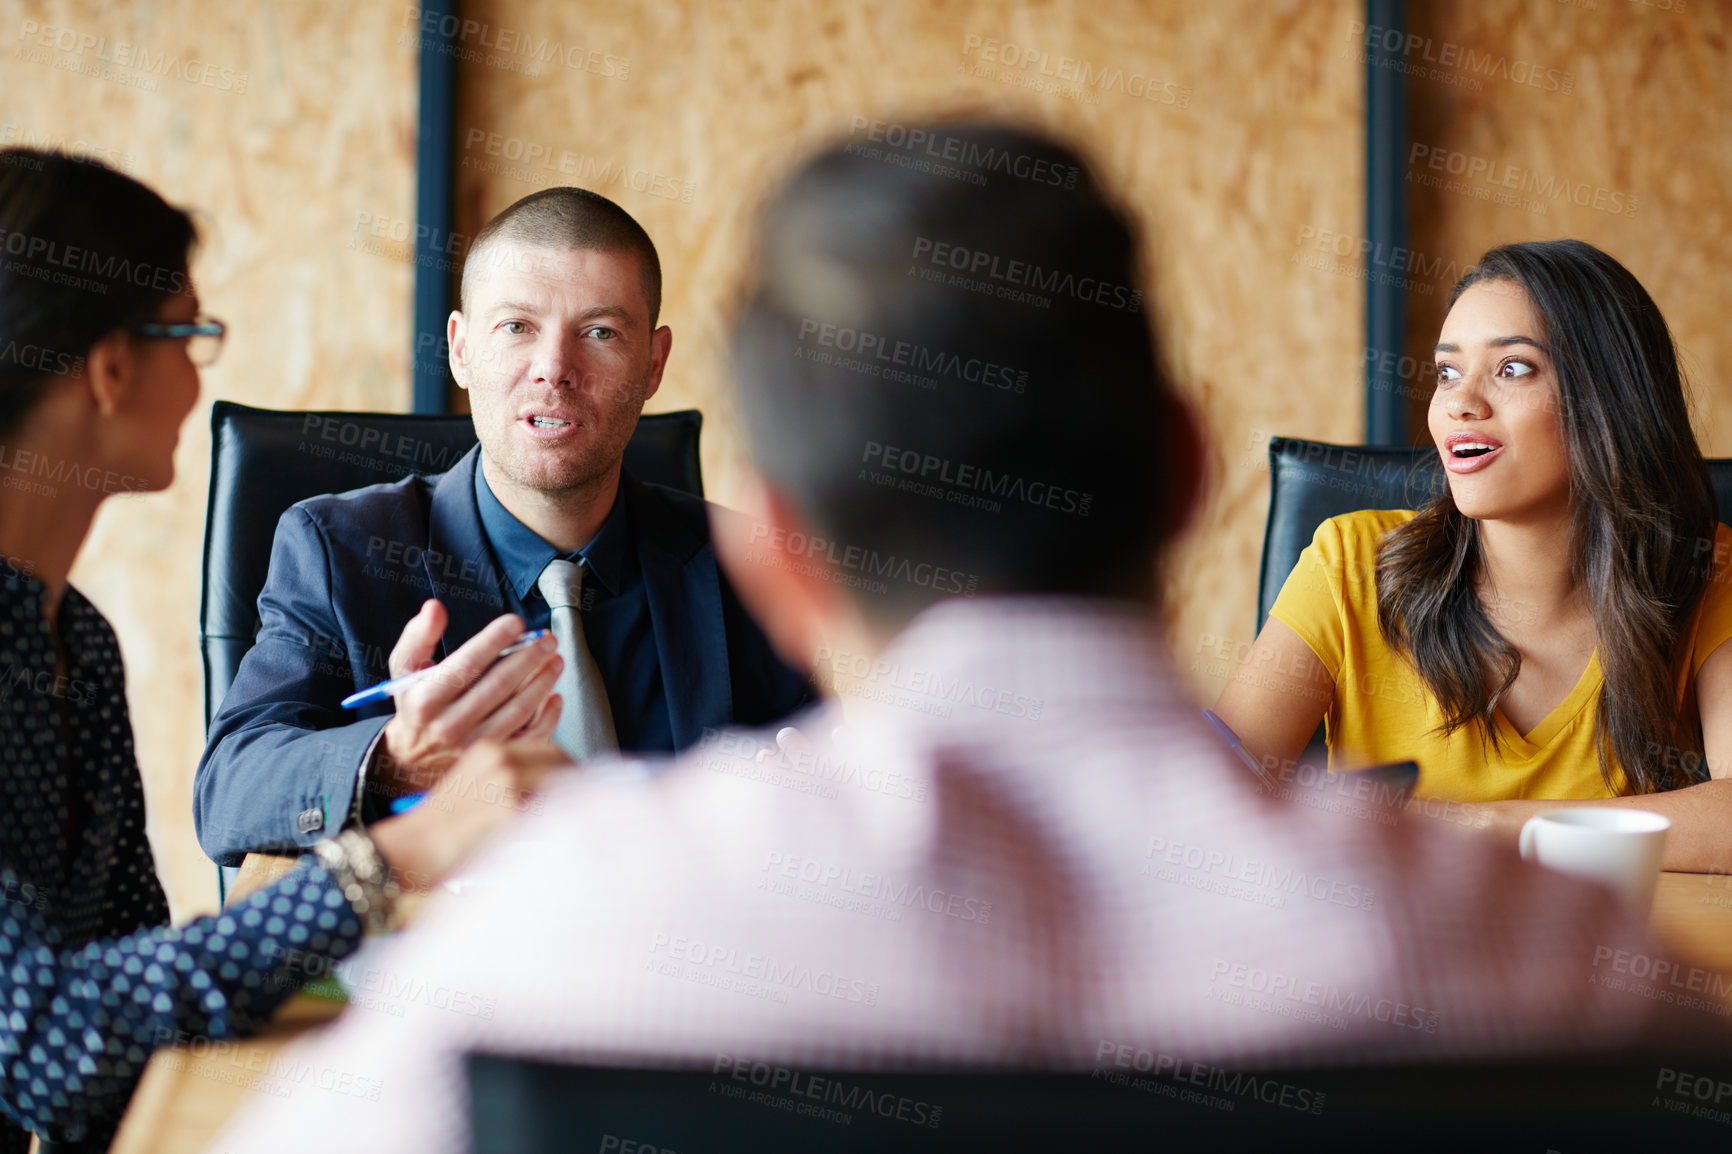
<point x="1551" y="626"/>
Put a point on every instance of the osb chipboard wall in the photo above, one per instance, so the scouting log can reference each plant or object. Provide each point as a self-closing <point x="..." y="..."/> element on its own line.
<point x="1232" y="129"/>
<point x="283" y="124"/>
<point x="1603" y="121"/>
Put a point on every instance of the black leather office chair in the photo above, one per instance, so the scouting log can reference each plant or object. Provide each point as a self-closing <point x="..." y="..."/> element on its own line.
<point x="519" y="1107"/>
<point x="1312" y="481"/>
<point x="264" y="460"/>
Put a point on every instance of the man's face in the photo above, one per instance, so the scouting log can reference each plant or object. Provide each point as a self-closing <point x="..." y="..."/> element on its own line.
<point x="556" y="351"/>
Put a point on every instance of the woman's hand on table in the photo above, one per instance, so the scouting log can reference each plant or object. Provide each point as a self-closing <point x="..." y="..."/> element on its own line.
<point x="1700" y="815"/>
<point x="489" y="785"/>
<point x="1502" y="820"/>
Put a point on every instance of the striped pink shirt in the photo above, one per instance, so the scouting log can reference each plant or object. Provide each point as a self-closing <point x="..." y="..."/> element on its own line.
<point x="1025" y="848"/>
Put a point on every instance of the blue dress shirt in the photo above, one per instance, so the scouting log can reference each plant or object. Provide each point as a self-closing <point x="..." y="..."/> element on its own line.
<point x="614" y="608"/>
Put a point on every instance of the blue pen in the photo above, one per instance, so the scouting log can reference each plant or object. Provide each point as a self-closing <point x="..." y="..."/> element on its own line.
<point x="397" y="685"/>
<point x="1226" y="734"/>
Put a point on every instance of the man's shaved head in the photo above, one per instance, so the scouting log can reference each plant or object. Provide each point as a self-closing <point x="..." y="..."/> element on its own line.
<point x="569" y="218"/>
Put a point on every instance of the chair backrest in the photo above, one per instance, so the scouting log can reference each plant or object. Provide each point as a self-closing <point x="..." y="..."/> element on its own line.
<point x="1138" y="1100"/>
<point x="1312" y="481"/>
<point x="264" y="460"/>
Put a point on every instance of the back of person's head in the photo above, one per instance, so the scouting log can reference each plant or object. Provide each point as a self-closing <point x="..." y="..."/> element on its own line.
<point x="946" y="366"/>
<point x="568" y="218"/>
<point x="84" y="251"/>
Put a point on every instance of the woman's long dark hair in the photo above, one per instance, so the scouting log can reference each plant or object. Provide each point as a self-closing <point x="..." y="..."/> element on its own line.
<point x="84" y="250"/>
<point x="1643" y="523"/>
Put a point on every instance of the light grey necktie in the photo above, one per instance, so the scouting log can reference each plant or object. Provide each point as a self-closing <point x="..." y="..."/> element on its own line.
<point x="585" y="727"/>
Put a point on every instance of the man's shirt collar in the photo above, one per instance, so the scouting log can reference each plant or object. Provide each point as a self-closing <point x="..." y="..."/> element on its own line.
<point x="523" y="554"/>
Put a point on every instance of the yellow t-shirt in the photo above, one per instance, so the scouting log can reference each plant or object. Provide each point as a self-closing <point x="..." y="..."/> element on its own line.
<point x="1382" y="710"/>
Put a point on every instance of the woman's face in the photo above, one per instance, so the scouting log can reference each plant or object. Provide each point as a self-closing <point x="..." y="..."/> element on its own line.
<point x="165" y="391"/>
<point x="1495" y="415"/>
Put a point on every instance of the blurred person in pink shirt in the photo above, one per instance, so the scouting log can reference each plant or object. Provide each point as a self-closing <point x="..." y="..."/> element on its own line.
<point x="1023" y="847"/>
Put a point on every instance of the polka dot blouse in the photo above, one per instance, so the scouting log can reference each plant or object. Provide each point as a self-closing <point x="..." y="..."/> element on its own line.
<point x="72" y="822"/>
<point x="88" y="987"/>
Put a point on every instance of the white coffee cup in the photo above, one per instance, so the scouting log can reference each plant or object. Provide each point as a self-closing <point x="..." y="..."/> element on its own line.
<point x="1617" y="847"/>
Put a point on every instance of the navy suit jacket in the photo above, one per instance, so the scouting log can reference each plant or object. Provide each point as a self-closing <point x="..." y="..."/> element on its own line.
<point x="348" y="572"/>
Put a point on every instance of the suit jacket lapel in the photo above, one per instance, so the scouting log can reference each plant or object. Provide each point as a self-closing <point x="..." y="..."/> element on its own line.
<point x="685" y="605"/>
<point x="458" y="564"/>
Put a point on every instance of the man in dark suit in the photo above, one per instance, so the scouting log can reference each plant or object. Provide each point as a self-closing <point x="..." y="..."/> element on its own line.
<point x="557" y="344"/>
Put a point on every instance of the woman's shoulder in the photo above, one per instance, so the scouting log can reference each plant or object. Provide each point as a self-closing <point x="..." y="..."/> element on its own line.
<point x="1360" y="533"/>
<point x="83" y="608"/>
<point x="87" y="628"/>
<point x="1720" y="553"/>
<point x="1712" y="620"/>
<point x="1717" y="560"/>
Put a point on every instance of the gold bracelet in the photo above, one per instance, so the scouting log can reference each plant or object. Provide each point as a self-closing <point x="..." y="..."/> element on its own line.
<point x="359" y="870"/>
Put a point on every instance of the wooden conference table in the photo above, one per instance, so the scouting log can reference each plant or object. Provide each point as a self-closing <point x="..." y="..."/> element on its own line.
<point x="185" y="1097"/>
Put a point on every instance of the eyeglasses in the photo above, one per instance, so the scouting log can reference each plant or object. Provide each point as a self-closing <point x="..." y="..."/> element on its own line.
<point x="203" y="336"/>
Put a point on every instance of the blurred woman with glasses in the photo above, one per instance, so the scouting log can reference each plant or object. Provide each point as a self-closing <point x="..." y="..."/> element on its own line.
<point x="101" y="340"/>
